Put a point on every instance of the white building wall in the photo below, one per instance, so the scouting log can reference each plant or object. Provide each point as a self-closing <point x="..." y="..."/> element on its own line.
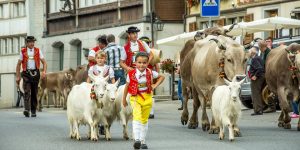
<point x="13" y="25"/>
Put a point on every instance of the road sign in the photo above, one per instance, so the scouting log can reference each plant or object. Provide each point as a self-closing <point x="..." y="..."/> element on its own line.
<point x="210" y="8"/>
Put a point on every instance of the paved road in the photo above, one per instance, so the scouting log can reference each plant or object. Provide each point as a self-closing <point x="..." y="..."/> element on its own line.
<point x="50" y="130"/>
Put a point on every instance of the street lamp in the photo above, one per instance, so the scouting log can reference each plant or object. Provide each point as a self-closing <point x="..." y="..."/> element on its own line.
<point x="158" y="24"/>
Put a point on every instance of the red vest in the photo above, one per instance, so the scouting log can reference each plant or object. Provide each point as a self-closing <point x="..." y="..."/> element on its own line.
<point x="96" y="49"/>
<point x="130" y="54"/>
<point x="36" y="57"/>
<point x="133" y="82"/>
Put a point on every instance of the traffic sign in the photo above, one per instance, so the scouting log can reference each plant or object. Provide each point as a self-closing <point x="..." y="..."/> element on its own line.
<point x="210" y="8"/>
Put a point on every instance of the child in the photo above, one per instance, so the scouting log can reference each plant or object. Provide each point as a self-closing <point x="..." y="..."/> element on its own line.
<point x="139" y="86"/>
<point x="101" y="68"/>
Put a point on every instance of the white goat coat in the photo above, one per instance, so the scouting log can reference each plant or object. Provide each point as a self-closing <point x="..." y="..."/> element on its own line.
<point x="226" y="112"/>
<point x="81" y="109"/>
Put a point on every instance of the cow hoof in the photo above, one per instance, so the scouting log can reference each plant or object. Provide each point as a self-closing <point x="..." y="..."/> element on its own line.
<point x="193" y="125"/>
<point x="88" y="137"/>
<point x="126" y="137"/>
<point x="280" y="124"/>
<point x="205" y="126"/>
<point x="78" y="138"/>
<point x="213" y="130"/>
<point x="237" y="134"/>
<point x="184" y="121"/>
<point x="287" y="126"/>
<point x="231" y="140"/>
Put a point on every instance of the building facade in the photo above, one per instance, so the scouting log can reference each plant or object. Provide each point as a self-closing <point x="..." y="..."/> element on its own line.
<point x="14" y="28"/>
<point x="66" y="31"/>
<point x="234" y="11"/>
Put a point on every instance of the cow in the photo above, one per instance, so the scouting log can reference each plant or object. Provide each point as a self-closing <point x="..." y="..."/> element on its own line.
<point x="282" y="77"/>
<point x="81" y="74"/>
<point x="211" y="59"/>
<point x="59" y="82"/>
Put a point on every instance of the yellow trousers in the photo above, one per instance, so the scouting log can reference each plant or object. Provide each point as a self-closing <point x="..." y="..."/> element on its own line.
<point x="141" y="107"/>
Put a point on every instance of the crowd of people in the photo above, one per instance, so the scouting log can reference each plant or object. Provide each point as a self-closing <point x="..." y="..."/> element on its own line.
<point x="258" y="59"/>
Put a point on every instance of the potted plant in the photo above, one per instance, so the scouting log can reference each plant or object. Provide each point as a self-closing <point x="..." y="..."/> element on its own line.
<point x="168" y="65"/>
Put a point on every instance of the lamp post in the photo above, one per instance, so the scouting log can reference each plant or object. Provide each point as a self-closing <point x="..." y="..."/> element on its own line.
<point x="156" y="25"/>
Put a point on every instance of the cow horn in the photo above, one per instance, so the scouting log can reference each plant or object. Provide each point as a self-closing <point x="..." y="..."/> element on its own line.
<point x="221" y="46"/>
<point x="198" y="36"/>
<point x="292" y="48"/>
<point x="257" y="39"/>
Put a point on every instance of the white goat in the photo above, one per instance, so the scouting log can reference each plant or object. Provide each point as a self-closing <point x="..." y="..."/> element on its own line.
<point x="125" y="113"/>
<point x="110" y="109"/>
<point x="226" y="107"/>
<point x="84" y="110"/>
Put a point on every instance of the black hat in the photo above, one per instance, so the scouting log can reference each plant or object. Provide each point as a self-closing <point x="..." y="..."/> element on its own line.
<point x="30" y="38"/>
<point x="145" y="39"/>
<point x="132" y="29"/>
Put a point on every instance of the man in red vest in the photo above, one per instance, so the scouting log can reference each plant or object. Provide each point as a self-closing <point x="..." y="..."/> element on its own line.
<point x="30" y="58"/>
<point x="132" y="47"/>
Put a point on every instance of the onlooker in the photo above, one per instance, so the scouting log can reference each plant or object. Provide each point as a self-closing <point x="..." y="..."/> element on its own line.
<point x="295" y="113"/>
<point x="257" y="80"/>
<point x="265" y="50"/>
<point x="179" y="90"/>
<point x="269" y="42"/>
<point x="115" y="53"/>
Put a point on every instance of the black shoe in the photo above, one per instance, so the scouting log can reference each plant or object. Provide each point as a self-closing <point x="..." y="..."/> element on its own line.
<point x="256" y="113"/>
<point x="26" y="113"/>
<point x="269" y="110"/>
<point x="151" y="116"/>
<point x="33" y="115"/>
<point x="144" y="146"/>
<point x="180" y="108"/>
<point x="137" y="144"/>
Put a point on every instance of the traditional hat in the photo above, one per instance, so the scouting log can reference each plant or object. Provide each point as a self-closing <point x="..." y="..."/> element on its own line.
<point x="132" y="29"/>
<point x="30" y="38"/>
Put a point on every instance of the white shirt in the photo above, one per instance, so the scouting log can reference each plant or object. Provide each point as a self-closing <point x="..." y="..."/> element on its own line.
<point x="134" y="46"/>
<point x="31" y="63"/>
<point x="96" y="69"/>
<point x="141" y="78"/>
<point x="92" y="53"/>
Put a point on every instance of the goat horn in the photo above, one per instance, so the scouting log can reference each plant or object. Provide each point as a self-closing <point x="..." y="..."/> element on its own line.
<point x="221" y="46"/>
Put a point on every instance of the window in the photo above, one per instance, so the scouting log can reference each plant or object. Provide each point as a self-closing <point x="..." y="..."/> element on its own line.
<point x="22" y="9"/>
<point x="9" y="46"/>
<point x="231" y="21"/>
<point x="1" y="11"/>
<point x="15" y="45"/>
<point x="14" y="10"/>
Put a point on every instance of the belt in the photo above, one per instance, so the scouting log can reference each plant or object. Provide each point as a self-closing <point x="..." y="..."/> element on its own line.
<point x="118" y="68"/>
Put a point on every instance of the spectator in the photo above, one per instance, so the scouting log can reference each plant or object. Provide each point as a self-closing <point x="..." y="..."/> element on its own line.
<point x="257" y="80"/>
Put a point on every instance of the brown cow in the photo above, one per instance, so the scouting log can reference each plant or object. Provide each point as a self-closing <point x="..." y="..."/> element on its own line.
<point x="81" y="74"/>
<point x="59" y="82"/>
<point x="282" y="76"/>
